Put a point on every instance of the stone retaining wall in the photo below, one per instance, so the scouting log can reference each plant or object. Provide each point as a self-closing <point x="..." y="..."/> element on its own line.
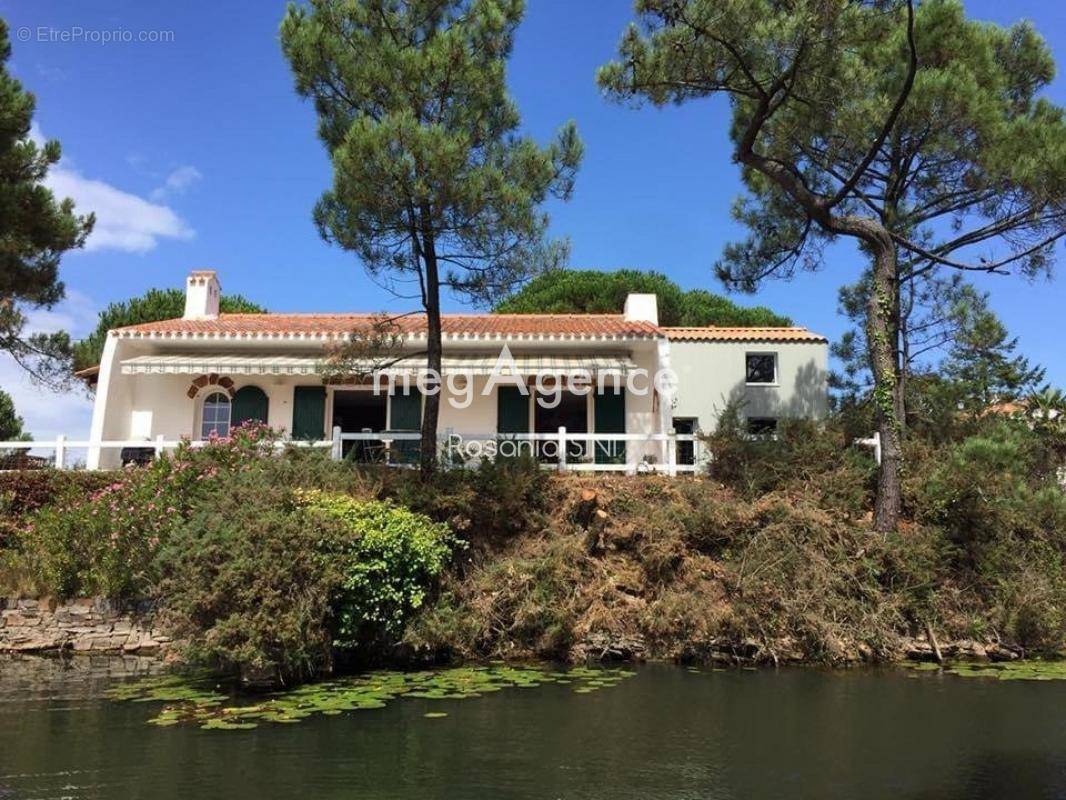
<point x="87" y="625"/>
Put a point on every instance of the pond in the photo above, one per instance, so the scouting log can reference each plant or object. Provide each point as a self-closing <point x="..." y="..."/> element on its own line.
<point x="665" y="732"/>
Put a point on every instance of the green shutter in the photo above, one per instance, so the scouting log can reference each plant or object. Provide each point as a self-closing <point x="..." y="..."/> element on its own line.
<point x="405" y="414"/>
<point x="250" y="403"/>
<point x="512" y="410"/>
<point x="406" y="411"/>
<point x="610" y="414"/>
<point x="309" y="412"/>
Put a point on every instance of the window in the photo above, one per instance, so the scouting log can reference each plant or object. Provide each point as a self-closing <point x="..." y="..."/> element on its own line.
<point x="763" y="427"/>
<point x="761" y="368"/>
<point x="686" y="451"/>
<point x="216" y="416"/>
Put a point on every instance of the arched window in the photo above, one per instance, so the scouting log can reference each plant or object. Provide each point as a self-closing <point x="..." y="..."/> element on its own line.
<point x="216" y="416"/>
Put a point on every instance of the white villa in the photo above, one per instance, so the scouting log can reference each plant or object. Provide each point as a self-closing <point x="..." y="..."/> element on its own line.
<point x="199" y="375"/>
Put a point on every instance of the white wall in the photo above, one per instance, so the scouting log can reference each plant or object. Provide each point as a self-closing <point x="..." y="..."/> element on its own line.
<point x="712" y="373"/>
<point x="156" y="404"/>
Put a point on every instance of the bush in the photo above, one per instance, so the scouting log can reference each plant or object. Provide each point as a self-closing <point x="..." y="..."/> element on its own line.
<point x="488" y="505"/>
<point x="510" y="606"/>
<point x="988" y="488"/>
<point x="389" y="558"/>
<point x="248" y="582"/>
<point x="24" y="491"/>
<point x="103" y="546"/>
<point x="268" y="580"/>
<point x="805" y="456"/>
<point x="104" y="541"/>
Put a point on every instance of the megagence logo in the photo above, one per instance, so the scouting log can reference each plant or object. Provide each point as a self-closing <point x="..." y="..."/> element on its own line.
<point x="547" y="387"/>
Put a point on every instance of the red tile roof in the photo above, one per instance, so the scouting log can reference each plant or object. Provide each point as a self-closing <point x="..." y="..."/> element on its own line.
<point x="579" y="325"/>
<point x="719" y="334"/>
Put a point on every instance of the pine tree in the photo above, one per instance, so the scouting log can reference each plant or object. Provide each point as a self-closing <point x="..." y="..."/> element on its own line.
<point x="433" y="188"/>
<point x="587" y="291"/>
<point x="152" y="306"/>
<point x="984" y="365"/>
<point x="35" y="231"/>
<point x="11" y="429"/>
<point x="915" y="133"/>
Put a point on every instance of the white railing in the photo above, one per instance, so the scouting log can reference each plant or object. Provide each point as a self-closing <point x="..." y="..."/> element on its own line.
<point x="61" y="447"/>
<point x="561" y="450"/>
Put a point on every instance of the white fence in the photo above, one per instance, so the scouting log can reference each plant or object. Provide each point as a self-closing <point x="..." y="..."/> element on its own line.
<point x="666" y="453"/>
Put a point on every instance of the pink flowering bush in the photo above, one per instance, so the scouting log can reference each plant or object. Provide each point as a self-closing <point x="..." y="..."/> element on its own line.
<point x="106" y="541"/>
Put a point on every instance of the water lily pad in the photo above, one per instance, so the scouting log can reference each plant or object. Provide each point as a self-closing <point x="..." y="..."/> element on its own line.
<point x="1003" y="671"/>
<point x="197" y="699"/>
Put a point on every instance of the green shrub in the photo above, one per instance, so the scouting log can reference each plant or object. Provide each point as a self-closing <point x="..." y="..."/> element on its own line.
<point x="104" y="544"/>
<point x="489" y="504"/>
<point x="806" y="456"/>
<point x="507" y="606"/>
<point x="989" y="488"/>
<point x="248" y="581"/>
<point x="104" y="541"/>
<point x="389" y="558"/>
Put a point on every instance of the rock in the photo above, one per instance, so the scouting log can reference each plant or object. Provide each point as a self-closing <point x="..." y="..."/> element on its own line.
<point x="607" y="646"/>
<point x="86" y="626"/>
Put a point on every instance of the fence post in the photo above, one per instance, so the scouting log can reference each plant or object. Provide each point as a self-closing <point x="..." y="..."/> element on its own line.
<point x="61" y="450"/>
<point x="159" y="447"/>
<point x="562" y="449"/>
<point x="671" y="453"/>
<point x="336" y="450"/>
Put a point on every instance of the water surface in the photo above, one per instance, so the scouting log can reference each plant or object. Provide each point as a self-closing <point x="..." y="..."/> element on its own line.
<point x="665" y="733"/>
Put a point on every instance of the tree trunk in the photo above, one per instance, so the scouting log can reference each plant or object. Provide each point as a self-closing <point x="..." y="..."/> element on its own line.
<point x="427" y="462"/>
<point x="882" y="337"/>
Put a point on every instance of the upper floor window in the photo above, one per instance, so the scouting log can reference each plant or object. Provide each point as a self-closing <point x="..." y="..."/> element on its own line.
<point x="216" y="416"/>
<point x="761" y="367"/>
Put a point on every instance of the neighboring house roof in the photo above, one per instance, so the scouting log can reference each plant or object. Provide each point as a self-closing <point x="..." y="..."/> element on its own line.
<point x="577" y="326"/>
<point x="713" y="333"/>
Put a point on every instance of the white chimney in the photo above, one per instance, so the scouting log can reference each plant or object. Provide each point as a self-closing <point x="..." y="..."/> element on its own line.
<point x="641" y="308"/>
<point x="202" y="291"/>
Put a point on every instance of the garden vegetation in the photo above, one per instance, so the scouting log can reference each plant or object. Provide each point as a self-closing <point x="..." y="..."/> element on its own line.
<point x="285" y="566"/>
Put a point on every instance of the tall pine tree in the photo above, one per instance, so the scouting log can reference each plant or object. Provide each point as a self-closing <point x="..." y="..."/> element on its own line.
<point x="35" y="231"/>
<point x="433" y="188"/>
<point x="913" y="132"/>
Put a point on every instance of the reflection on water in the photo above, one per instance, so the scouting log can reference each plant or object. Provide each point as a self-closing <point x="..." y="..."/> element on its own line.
<point x="666" y="733"/>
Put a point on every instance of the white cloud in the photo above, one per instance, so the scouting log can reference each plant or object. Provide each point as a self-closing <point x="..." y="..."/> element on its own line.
<point x="124" y="221"/>
<point x="45" y="413"/>
<point x="177" y="182"/>
<point x="77" y="314"/>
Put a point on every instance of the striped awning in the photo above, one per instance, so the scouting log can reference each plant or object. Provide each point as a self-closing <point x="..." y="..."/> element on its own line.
<point x="234" y="364"/>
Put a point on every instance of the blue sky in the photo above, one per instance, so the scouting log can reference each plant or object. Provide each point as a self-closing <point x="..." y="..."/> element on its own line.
<point x="195" y="152"/>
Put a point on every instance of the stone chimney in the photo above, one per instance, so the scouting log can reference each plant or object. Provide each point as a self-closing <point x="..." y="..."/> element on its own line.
<point x="202" y="291"/>
<point x="641" y="308"/>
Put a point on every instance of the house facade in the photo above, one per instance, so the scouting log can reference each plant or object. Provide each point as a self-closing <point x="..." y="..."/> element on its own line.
<point x="502" y="374"/>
